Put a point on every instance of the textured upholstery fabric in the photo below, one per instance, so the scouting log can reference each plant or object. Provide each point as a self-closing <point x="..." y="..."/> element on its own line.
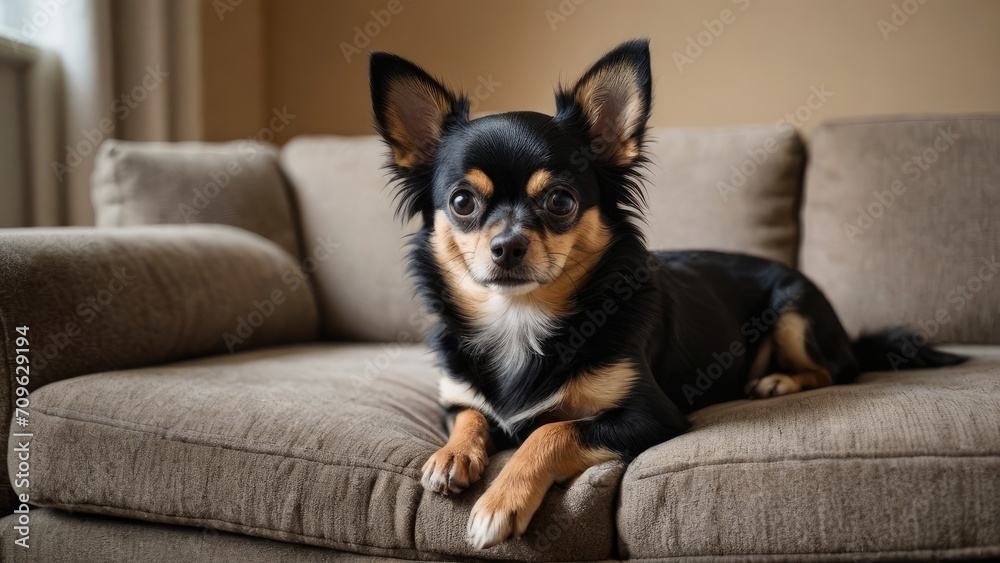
<point x="99" y="539"/>
<point x="902" y="225"/>
<point x="341" y="187"/>
<point x="898" y="466"/>
<point x="317" y="444"/>
<point x="235" y="183"/>
<point x="102" y="299"/>
<point x="734" y="189"/>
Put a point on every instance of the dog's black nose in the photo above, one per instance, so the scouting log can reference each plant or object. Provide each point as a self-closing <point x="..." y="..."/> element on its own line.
<point x="509" y="249"/>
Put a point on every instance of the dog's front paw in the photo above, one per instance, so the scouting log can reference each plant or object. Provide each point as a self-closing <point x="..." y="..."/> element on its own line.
<point x="774" y="385"/>
<point x="451" y="470"/>
<point x="495" y="517"/>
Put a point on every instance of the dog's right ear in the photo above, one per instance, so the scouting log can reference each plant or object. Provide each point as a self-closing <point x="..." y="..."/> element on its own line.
<point x="613" y="101"/>
<point x="411" y="109"/>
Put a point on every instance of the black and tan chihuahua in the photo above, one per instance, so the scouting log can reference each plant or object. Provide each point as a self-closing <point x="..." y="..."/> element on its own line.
<point x="559" y="331"/>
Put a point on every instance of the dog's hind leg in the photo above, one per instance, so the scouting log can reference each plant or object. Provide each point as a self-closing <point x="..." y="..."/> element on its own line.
<point x="794" y="353"/>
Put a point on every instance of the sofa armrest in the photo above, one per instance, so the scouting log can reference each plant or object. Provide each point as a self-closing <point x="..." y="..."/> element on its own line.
<point x="98" y="299"/>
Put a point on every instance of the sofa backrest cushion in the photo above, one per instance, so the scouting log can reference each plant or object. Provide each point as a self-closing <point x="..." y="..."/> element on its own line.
<point x="732" y="189"/>
<point x="237" y="183"/>
<point x="902" y="224"/>
<point x="353" y="246"/>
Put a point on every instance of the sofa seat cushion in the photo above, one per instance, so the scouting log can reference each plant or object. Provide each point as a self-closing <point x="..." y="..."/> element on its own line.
<point x="60" y="537"/>
<point x="897" y="466"/>
<point x="319" y="444"/>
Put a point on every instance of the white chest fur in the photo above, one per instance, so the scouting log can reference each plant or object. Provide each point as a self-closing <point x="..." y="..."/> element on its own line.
<point x="453" y="392"/>
<point x="509" y="330"/>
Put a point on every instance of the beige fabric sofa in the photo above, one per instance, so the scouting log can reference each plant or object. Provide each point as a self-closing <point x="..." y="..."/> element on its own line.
<point x="256" y="390"/>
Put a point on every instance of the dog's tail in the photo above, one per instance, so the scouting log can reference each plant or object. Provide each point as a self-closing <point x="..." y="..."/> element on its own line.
<point x="897" y="349"/>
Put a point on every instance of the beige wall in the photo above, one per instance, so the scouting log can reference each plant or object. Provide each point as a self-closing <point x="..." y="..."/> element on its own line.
<point x="764" y="64"/>
<point x="233" y="72"/>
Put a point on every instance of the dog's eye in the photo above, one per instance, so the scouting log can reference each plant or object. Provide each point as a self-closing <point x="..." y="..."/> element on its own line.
<point x="560" y="203"/>
<point x="463" y="203"/>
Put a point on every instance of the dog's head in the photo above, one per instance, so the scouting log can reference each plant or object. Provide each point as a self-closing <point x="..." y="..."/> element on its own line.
<point x="519" y="201"/>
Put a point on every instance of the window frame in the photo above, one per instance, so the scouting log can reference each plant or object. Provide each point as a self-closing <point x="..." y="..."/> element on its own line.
<point x="40" y="109"/>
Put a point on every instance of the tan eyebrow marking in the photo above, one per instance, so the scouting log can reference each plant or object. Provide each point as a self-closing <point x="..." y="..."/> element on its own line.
<point x="480" y="181"/>
<point x="538" y="182"/>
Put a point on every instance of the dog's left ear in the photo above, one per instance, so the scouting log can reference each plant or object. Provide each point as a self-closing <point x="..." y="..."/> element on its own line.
<point x="613" y="101"/>
<point x="411" y="109"/>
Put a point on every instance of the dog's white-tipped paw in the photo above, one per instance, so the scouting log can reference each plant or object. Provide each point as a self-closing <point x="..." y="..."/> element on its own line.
<point x="488" y="527"/>
<point x="500" y="514"/>
<point x="450" y="472"/>
<point x="774" y="385"/>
